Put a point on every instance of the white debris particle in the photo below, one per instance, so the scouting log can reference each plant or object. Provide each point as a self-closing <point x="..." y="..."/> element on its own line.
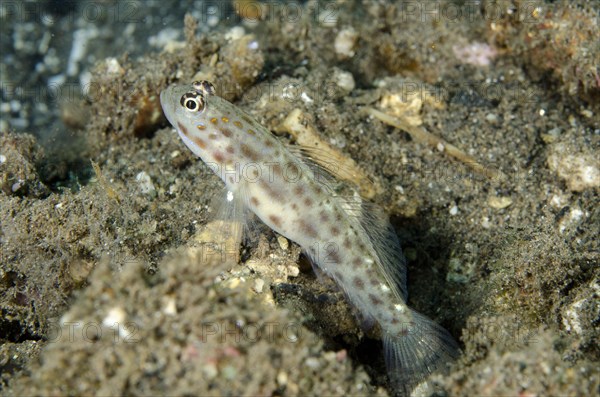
<point x="485" y="222"/>
<point x="2" y="159"/>
<point x="164" y="38"/>
<point x="580" y="171"/>
<point x="313" y="363"/>
<point x="79" y="48"/>
<point x="145" y="183"/>
<point x="293" y="271"/>
<point x="304" y="96"/>
<point x="235" y="33"/>
<point x="113" y="66"/>
<point x="283" y="242"/>
<point x="282" y="379"/>
<point x="259" y="283"/>
<point x="345" y="81"/>
<point x="210" y="370"/>
<point x="454" y="210"/>
<point x="499" y="202"/>
<point x="170" y="308"/>
<point x="85" y="80"/>
<point x="491" y="117"/>
<point x="573" y="218"/>
<point x="344" y="43"/>
<point x="15" y="106"/>
<point x="115" y="317"/>
<point x="56" y="81"/>
<point x="475" y="53"/>
<point x="17" y="185"/>
<point x="328" y="18"/>
<point x="571" y="319"/>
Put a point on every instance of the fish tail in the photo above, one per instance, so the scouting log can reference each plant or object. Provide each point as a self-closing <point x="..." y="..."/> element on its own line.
<point x="420" y="349"/>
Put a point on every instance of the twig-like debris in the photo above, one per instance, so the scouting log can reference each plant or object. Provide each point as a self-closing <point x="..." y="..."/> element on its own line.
<point x="421" y="135"/>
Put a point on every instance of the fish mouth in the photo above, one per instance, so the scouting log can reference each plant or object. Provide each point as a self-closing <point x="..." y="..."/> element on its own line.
<point x="168" y="106"/>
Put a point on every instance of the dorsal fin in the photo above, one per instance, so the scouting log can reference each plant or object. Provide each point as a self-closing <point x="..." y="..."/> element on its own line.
<point x="331" y="161"/>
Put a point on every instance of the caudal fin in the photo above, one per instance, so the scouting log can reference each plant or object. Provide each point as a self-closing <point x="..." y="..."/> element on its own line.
<point x="422" y="349"/>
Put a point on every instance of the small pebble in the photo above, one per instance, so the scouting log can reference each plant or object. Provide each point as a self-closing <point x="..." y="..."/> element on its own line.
<point x="116" y="315"/>
<point x="283" y="242"/>
<point x="499" y="202"/>
<point x="491" y="117"/>
<point x="169" y="306"/>
<point x="580" y="171"/>
<point x="145" y="183"/>
<point x="345" y="81"/>
<point x="210" y="370"/>
<point x="345" y="42"/>
<point x="313" y="363"/>
<point x="282" y="379"/>
<point x="259" y="283"/>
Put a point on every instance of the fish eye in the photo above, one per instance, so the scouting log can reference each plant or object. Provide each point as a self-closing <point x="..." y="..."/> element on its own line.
<point x="192" y="101"/>
<point x="204" y="87"/>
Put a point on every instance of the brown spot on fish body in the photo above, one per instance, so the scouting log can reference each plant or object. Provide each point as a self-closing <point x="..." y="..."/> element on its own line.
<point x="375" y="300"/>
<point x="308" y="202"/>
<point x="324" y="217"/>
<point x="199" y="142"/>
<point x="347" y="243"/>
<point x="273" y="193"/>
<point x="269" y="143"/>
<point x="335" y="231"/>
<point x="308" y="229"/>
<point x="226" y="132"/>
<point x="357" y="262"/>
<point x="219" y="157"/>
<point x="254" y="201"/>
<point x="334" y="257"/>
<point x="251" y="131"/>
<point x="276" y="220"/>
<point x="249" y="152"/>
<point x="237" y="124"/>
<point x="230" y="149"/>
<point x="277" y="171"/>
<point x="182" y="128"/>
<point x="298" y="190"/>
<point x="358" y="283"/>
